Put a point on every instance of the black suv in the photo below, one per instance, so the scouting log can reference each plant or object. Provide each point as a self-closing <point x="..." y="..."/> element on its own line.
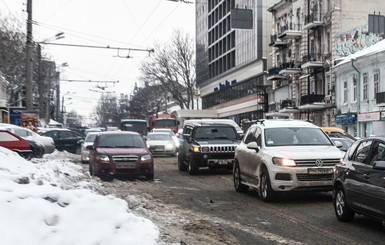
<point x="207" y="145"/>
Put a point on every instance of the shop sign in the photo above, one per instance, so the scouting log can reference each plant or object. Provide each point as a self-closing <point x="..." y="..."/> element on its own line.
<point x="346" y="119"/>
<point x="374" y="116"/>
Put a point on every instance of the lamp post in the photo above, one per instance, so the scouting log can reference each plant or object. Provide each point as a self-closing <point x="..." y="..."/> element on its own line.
<point x="62" y="105"/>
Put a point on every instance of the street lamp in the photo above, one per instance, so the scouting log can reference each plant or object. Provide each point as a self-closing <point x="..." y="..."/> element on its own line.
<point x="62" y="105"/>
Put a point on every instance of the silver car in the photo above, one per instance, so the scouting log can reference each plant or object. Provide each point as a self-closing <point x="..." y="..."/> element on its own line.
<point x="84" y="152"/>
<point x="161" y="144"/>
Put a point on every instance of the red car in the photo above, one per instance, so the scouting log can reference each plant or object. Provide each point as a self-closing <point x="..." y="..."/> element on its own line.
<point x="120" y="153"/>
<point x="15" y="143"/>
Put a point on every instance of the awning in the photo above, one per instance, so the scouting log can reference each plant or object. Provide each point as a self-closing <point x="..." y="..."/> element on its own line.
<point x="289" y="110"/>
<point x="277" y="114"/>
<point x="276" y="77"/>
<point x="312" y="107"/>
<point x="304" y="76"/>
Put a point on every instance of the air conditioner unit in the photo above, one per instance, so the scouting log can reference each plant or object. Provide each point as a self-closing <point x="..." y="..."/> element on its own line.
<point x="3" y="103"/>
<point x="328" y="99"/>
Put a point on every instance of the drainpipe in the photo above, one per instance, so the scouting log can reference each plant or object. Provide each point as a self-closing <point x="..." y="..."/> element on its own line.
<point x="358" y="96"/>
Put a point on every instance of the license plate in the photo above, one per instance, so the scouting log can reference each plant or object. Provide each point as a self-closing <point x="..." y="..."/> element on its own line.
<point x="125" y="165"/>
<point x="222" y="162"/>
<point x="320" y="170"/>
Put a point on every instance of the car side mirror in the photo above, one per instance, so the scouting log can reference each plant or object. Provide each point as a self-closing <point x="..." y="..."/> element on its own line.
<point x="254" y="146"/>
<point x="90" y="147"/>
<point x="338" y="144"/>
<point x="379" y="165"/>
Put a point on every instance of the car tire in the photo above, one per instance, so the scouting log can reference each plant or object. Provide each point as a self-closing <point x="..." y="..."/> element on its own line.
<point x="149" y="177"/>
<point x="181" y="165"/>
<point x="266" y="193"/>
<point x="341" y="208"/>
<point x="193" y="168"/>
<point x="239" y="187"/>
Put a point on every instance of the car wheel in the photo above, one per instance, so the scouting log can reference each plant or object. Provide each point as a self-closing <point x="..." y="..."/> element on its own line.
<point x="150" y="176"/>
<point x="343" y="212"/>
<point x="39" y="152"/>
<point x="266" y="193"/>
<point x="239" y="187"/>
<point x="193" y="168"/>
<point x="181" y="165"/>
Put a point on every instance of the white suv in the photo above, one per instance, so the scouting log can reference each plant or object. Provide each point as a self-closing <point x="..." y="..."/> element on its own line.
<point x="284" y="155"/>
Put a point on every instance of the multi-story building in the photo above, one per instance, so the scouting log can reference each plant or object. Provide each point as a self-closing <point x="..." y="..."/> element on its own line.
<point x="361" y="101"/>
<point x="4" y="109"/>
<point x="232" y="63"/>
<point x="308" y="37"/>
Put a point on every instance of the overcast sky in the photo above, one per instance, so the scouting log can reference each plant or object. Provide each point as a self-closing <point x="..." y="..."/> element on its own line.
<point x="135" y="24"/>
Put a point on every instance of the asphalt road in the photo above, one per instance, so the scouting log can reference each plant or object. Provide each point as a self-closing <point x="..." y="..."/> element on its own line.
<point x="205" y="209"/>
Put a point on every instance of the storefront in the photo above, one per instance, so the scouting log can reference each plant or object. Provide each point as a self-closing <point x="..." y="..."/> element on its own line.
<point x="372" y="123"/>
<point x="348" y="123"/>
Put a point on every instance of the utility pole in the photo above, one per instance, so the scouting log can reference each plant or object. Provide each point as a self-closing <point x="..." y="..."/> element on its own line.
<point x="29" y="71"/>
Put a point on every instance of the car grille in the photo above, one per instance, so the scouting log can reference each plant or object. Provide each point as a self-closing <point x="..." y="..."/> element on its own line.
<point x="125" y="158"/>
<point x="313" y="162"/>
<point x="314" y="177"/>
<point x="218" y="149"/>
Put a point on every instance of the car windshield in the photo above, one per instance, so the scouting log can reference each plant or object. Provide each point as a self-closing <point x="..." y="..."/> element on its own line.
<point x="90" y="137"/>
<point x="295" y="136"/>
<point x="215" y="132"/>
<point x="121" y="141"/>
<point x="158" y="137"/>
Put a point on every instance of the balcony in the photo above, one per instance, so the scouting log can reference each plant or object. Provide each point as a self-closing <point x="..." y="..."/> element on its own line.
<point x="312" y="61"/>
<point x="276" y="42"/>
<point x="290" y="31"/>
<point x="312" y="98"/>
<point x="313" y="21"/>
<point x="290" y="68"/>
<point x="380" y="99"/>
<point x="274" y="74"/>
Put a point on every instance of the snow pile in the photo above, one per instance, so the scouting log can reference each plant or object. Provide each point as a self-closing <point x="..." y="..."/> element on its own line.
<point x="52" y="203"/>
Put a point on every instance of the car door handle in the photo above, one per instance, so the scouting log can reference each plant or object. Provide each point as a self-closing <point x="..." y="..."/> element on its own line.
<point x="366" y="176"/>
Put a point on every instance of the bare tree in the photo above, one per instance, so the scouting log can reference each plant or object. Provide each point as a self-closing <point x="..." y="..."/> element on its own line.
<point x="173" y="67"/>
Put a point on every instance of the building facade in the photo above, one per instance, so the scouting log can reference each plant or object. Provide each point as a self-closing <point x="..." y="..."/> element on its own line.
<point x="361" y="101"/>
<point x="308" y="38"/>
<point x="232" y="62"/>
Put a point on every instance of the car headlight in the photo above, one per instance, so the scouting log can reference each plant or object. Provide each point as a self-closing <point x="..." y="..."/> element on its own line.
<point x="195" y="149"/>
<point x="205" y="149"/>
<point x="103" y="158"/>
<point x="284" y="162"/>
<point x="145" y="158"/>
<point x="169" y="147"/>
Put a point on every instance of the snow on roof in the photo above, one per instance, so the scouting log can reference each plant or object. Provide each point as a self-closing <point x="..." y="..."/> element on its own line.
<point x="375" y="48"/>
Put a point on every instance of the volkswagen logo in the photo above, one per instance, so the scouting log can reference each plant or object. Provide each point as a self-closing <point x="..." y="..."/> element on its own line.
<point x="319" y="163"/>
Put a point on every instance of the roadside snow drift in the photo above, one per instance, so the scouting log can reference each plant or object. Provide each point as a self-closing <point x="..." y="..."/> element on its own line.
<point x="51" y="203"/>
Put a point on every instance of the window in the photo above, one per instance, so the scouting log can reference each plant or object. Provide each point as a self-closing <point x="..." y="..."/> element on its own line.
<point x="250" y="135"/>
<point x="362" y="152"/>
<point x="378" y="152"/>
<point x="345" y="99"/>
<point x="376" y="78"/>
<point x="365" y="86"/>
<point x="5" y="136"/>
<point x="354" y="87"/>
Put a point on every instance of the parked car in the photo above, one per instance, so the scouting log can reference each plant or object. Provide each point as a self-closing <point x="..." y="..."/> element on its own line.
<point x="207" y="144"/>
<point x="161" y="144"/>
<point x="84" y="152"/>
<point x="278" y="156"/>
<point x="120" y="153"/>
<point x="15" y="143"/>
<point x="65" y="139"/>
<point x="337" y="132"/>
<point x="359" y="181"/>
<point x="40" y="144"/>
